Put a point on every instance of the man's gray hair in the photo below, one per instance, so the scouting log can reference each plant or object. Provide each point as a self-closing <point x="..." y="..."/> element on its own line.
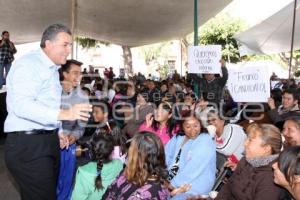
<point x="51" y="32"/>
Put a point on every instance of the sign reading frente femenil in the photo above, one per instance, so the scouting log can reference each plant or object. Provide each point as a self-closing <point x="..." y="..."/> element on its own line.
<point x="249" y="84"/>
<point x="204" y="59"/>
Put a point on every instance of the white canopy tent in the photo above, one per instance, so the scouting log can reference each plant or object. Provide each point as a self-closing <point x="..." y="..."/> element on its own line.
<point x="273" y="35"/>
<point x="124" y="22"/>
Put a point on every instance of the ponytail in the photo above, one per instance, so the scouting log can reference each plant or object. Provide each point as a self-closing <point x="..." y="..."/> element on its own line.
<point x="102" y="146"/>
<point x="98" y="180"/>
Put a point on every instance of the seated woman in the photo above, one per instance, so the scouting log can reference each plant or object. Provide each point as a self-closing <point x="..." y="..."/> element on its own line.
<point x="161" y="123"/>
<point x="145" y="173"/>
<point x="170" y="95"/>
<point x="229" y="138"/>
<point x="291" y="129"/>
<point x="143" y="107"/>
<point x="191" y="158"/>
<point x="93" y="178"/>
<point x="287" y="171"/>
<point x="253" y="177"/>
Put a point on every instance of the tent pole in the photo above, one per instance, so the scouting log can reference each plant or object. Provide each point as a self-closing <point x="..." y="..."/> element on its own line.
<point x="196" y="22"/>
<point x="293" y="36"/>
<point x="196" y="42"/>
<point x="180" y="57"/>
<point x="76" y="50"/>
<point x="73" y="24"/>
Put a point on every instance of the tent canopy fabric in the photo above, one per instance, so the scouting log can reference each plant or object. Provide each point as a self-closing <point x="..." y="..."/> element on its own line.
<point x="125" y="22"/>
<point x="273" y="35"/>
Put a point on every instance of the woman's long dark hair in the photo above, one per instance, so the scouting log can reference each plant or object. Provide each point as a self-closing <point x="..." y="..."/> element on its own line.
<point x="119" y="138"/>
<point x="146" y="159"/>
<point x="170" y="123"/>
<point x="289" y="163"/>
<point x="102" y="147"/>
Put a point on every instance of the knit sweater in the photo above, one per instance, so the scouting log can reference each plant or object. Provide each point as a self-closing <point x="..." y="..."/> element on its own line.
<point x="231" y="142"/>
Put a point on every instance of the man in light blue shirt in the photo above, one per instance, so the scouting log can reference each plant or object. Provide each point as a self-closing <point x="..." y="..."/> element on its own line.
<point x="34" y="115"/>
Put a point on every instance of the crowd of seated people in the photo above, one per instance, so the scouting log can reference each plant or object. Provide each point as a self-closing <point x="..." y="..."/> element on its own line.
<point x="169" y="140"/>
<point x="197" y="138"/>
<point x="145" y="139"/>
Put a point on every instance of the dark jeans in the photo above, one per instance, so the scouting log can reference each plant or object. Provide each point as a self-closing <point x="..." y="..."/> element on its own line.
<point x="3" y="66"/>
<point x="33" y="160"/>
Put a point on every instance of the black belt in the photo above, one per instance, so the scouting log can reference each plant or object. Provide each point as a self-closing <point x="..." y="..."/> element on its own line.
<point x="34" y="132"/>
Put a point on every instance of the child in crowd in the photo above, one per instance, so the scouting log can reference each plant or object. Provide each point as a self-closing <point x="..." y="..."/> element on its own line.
<point x="101" y="113"/>
<point x="93" y="178"/>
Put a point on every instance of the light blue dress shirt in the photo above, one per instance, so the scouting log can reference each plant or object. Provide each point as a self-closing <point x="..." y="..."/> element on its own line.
<point x="33" y="94"/>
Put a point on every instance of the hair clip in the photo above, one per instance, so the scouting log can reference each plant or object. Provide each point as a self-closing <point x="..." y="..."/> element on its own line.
<point x="168" y="104"/>
<point x="108" y="126"/>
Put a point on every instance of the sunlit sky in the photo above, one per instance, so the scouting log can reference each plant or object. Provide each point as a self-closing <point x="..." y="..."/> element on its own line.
<point x="255" y="11"/>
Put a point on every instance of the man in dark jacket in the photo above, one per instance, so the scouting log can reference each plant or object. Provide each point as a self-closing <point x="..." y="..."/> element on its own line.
<point x="290" y="98"/>
<point x="211" y="87"/>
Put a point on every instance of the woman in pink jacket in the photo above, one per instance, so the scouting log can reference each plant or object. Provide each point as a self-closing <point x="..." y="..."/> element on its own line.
<point x="161" y="122"/>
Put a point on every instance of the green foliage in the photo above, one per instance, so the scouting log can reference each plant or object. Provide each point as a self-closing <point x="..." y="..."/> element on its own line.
<point x="297" y="73"/>
<point x="220" y="30"/>
<point x="296" y="63"/>
<point x="89" y="43"/>
<point x="163" y="70"/>
<point x="156" y="56"/>
<point x="297" y="54"/>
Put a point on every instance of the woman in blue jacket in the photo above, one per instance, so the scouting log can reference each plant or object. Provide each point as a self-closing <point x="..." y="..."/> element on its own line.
<point x="191" y="159"/>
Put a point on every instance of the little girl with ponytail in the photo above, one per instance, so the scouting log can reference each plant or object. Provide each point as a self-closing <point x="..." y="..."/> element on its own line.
<point x="93" y="178"/>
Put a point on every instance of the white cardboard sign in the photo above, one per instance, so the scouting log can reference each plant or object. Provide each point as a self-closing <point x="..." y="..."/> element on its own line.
<point x="249" y="84"/>
<point x="204" y="59"/>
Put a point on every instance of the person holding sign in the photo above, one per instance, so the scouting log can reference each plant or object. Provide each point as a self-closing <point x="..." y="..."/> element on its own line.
<point x="211" y="87"/>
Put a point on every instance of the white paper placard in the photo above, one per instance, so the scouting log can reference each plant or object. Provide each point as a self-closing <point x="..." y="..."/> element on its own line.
<point x="274" y="83"/>
<point x="204" y="59"/>
<point x="249" y="84"/>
